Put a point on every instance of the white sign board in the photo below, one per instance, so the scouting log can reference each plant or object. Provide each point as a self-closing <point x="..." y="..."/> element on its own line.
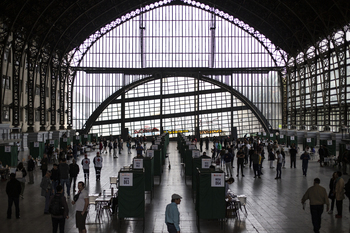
<point x="85" y="136"/>
<point x="192" y="147"/>
<point x="36" y="144"/>
<point x="264" y="133"/>
<point x="65" y="139"/>
<point x="8" y="149"/>
<point x="126" y="179"/>
<point x="292" y="138"/>
<point x="157" y="142"/>
<point x="259" y="133"/>
<point x="52" y="142"/>
<point x="308" y="139"/>
<point x="150" y="153"/>
<point x="206" y="163"/>
<point x="195" y="154"/>
<point x="329" y="142"/>
<point x="77" y="137"/>
<point x="188" y="143"/>
<point x="271" y="135"/>
<point x="217" y="180"/>
<point x="138" y="164"/>
<point x="154" y="147"/>
<point x="281" y="136"/>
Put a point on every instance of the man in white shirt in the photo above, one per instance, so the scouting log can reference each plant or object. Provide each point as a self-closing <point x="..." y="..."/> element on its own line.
<point x="86" y="166"/>
<point x="279" y="165"/>
<point x="98" y="165"/>
<point x="82" y="202"/>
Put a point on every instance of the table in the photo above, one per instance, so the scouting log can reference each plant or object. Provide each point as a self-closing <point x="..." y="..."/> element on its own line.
<point x="4" y="172"/>
<point x="103" y="203"/>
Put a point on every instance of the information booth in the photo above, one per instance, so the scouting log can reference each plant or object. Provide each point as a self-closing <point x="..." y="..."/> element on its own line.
<point x="36" y="149"/>
<point x="210" y="195"/>
<point x="8" y="155"/>
<point x="310" y="142"/>
<point x="146" y="163"/>
<point x="292" y="140"/>
<point x="52" y="142"/>
<point x="199" y="164"/>
<point x="131" y="194"/>
<point x="282" y="139"/>
<point x="330" y="145"/>
<point x="64" y="142"/>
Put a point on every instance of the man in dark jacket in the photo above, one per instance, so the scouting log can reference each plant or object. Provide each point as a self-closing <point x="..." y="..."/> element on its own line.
<point x="44" y="163"/>
<point x="73" y="173"/>
<point x="13" y="190"/>
<point x="59" y="219"/>
<point x="30" y="169"/>
<point x="55" y="176"/>
<point x="63" y="168"/>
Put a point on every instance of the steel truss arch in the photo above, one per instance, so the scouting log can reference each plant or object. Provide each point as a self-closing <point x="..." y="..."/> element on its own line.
<point x="93" y="117"/>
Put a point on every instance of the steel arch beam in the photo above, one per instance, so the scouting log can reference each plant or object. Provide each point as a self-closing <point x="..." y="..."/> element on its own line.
<point x="89" y="123"/>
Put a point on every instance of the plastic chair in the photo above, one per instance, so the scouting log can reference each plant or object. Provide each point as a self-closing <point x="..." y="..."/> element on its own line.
<point x="243" y="200"/>
<point x="113" y="180"/>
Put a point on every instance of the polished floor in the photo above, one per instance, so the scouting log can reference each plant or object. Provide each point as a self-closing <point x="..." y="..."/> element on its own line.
<point x="272" y="205"/>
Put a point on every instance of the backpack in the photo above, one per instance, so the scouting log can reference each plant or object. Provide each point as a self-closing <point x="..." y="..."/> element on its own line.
<point x="56" y="207"/>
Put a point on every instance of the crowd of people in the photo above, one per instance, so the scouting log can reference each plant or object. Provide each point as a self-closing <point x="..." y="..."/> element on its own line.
<point x="59" y="177"/>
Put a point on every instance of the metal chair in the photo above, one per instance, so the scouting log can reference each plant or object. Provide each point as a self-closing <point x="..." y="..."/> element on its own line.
<point x="113" y="180"/>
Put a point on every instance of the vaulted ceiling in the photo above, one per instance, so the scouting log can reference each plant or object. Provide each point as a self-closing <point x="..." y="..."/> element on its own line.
<point x="292" y="25"/>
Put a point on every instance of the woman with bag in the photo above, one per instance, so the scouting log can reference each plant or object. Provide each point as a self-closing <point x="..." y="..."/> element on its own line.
<point x="331" y="192"/>
<point x="21" y="173"/>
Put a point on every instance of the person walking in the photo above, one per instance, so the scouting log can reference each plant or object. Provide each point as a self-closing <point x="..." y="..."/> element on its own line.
<point x="172" y="215"/>
<point x="98" y="165"/>
<point x="30" y="169"/>
<point x="255" y="158"/>
<point x="58" y="210"/>
<point x="339" y="193"/>
<point x="81" y="200"/>
<point x="305" y="157"/>
<point x="227" y="159"/>
<point x="293" y="156"/>
<point x="13" y="190"/>
<point x="63" y="168"/>
<point x="318" y="197"/>
<point x="240" y="161"/>
<point x="73" y="173"/>
<point x="21" y="173"/>
<point x="331" y="194"/>
<point x="46" y="190"/>
<point x="44" y="164"/>
<point x="86" y="167"/>
<point x="279" y="165"/>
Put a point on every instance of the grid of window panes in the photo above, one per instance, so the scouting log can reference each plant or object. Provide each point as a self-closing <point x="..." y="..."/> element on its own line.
<point x="322" y="68"/>
<point x="175" y="36"/>
<point x="179" y="98"/>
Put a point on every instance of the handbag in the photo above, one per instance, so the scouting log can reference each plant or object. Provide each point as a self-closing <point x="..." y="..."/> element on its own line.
<point x="19" y="174"/>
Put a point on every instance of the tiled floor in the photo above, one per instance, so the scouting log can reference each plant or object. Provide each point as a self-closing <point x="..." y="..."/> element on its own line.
<point x="272" y="205"/>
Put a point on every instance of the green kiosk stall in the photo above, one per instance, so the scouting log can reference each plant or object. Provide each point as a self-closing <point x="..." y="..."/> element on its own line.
<point x="292" y="140"/>
<point x="158" y="163"/>
<point x="64" y="142"/>
<point x="210" y="195"/>
<point x="36" y="149"/>
<point x="131" y="194"/>
<point x="199" y="164"/>
<point x="76" y="139"/>
<point x="146" y="163"/>
<point x="310" y="142"/>
<point x="282" y="139"/>
<point x="330" y="145"/>
<point x="52" y="142"/>
<point x="9" y="155"/>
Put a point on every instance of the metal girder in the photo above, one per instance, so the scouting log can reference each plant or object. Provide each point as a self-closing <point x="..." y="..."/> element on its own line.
<point x="32" y="53"/>
<point x="4" y="34"/>
<point x="261" y="118"/>
<point x="312" y="64"/>
<point x="301" y="80"/>
<point x="325" y="61"/>
<point x="53" y="90"/>
<point x="17" y="48"/>
<point x="44" y="67"/>
<point x="62" y="78"/>
<point x="173" y="115"/>
<point x="284" y="89"/>
<point x="342" y="100"/>
<point x="70" y="83"/>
